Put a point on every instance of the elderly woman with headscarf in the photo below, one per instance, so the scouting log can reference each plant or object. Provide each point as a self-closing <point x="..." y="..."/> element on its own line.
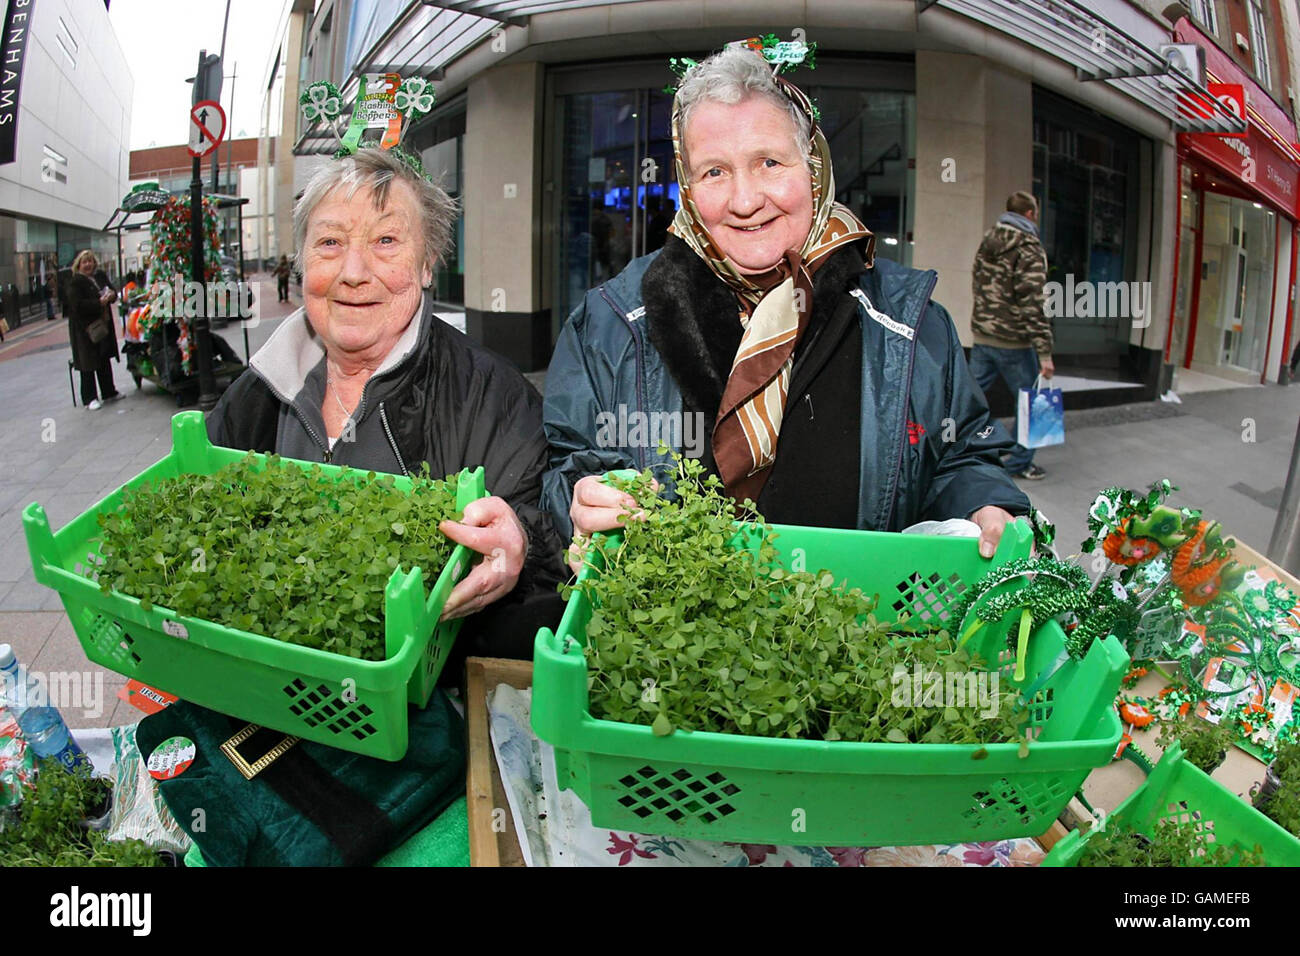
<point x="833" y="391"/>
<point x="367" y="375"/>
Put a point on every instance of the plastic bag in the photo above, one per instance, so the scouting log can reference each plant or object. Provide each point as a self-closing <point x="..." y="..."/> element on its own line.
<point x="139" y="811"/>
<point x="16" y="762"/>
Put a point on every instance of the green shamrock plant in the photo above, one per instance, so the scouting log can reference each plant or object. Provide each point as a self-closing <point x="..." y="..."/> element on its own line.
<point x="697" y="625"/>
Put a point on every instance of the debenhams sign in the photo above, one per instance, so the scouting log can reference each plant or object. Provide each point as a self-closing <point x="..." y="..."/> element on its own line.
<point x="13" y="48"/>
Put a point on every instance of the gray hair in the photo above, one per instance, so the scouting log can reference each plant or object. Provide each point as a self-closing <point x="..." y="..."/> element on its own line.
<point x="377" y="170"/>
<point x="731" y="76"/>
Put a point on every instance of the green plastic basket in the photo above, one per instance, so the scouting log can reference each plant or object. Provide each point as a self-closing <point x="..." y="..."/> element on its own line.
<point x="352" y="704"/>
<point x="762" y="790"/>
<point x="1179" y="791"/>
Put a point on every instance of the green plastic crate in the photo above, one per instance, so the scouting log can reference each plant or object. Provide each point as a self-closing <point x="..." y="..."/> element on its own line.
<point x="750" y="789"/>
<point x="340" y="701"/>
<point x="1179" y="791"/>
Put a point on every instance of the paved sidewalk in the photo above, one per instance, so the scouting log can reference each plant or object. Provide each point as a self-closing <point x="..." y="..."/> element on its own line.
<point x="1227" y="450"/>
<point x="67" y="458"/>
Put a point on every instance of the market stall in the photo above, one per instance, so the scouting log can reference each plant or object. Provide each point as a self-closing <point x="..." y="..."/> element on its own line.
<point x="1181" y="639"/>
<point x="157" y="312"/>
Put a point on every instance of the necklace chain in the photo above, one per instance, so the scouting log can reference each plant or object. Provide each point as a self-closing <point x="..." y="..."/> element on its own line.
<point x="334" y="390"/>
<point x="342" y="407"/>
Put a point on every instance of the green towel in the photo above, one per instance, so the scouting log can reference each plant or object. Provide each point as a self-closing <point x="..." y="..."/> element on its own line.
<point x="444" y="842"/>
<point x="316" y="805"/>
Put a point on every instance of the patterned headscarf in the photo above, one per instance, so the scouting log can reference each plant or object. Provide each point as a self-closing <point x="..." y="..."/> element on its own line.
<point x="774" y="310"/>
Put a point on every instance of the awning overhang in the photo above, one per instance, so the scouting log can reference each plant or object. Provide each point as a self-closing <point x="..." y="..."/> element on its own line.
<point x="420" y="44"/>
<point x="1100" y="51"/>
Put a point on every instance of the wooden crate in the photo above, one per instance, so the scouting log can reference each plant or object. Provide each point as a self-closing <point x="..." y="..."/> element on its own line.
<point x="1108" y="786"/>
<point x="492" y="842"/>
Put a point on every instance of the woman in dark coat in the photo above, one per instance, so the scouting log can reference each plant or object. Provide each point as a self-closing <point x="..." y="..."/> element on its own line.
<point x="824" y="385"/>
<point x="89" y="296"/>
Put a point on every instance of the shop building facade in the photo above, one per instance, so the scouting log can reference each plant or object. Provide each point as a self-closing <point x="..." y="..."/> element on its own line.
<point x="1234" y="306"/>
<point x="553" y="130"/>
<point x="172" y="167"/>
<point x="69" y="126"/>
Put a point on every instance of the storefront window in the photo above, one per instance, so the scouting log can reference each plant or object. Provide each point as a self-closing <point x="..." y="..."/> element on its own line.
<point x="441" y="145"/>
<point x="35" y="255"/>
<point x="871" y="136"/>
<point x="1085" y="179"/>
<point x="1236" y="284"/>
<point x="615" y="144"/>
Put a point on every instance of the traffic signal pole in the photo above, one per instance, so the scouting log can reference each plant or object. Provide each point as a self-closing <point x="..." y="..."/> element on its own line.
<point x="201" y="327"/>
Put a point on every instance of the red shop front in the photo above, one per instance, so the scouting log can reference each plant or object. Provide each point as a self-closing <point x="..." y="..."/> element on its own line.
<point x="1234" y="300"/>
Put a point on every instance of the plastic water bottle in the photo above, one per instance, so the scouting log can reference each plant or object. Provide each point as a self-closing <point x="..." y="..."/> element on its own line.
<point x="41" y="723"/>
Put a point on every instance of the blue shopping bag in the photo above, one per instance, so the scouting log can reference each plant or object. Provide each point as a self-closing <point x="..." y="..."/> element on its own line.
<point x="1040" y="416"/>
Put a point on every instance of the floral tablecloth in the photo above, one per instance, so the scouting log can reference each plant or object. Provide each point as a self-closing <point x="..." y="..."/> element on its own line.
<point x="554" y="826"/>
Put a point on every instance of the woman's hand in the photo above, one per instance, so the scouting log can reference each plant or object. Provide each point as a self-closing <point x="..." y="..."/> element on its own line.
<point x="490" y="527"/>
<point x="596" y="507"/>
<point x="992" y="521"/>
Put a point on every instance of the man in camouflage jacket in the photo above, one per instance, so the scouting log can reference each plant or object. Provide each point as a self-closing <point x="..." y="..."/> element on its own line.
<point x="1012" y="333"/>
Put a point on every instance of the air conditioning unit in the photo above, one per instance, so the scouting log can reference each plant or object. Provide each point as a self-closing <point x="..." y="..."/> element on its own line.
<point x="1243" y="44"/>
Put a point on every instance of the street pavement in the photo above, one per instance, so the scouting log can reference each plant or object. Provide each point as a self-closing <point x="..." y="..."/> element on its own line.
<point x="1228" y="451"/>
<point x="67" y="458"/>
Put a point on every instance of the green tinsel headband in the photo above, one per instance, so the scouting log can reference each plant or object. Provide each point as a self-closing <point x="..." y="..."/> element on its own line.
<point x="783" y="55"/>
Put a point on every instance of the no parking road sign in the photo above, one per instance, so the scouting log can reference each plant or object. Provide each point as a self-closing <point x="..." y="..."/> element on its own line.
<point x="207" y="127"/>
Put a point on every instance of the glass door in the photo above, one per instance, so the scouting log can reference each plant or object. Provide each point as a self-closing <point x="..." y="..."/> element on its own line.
<point x="1236" y="285"/>
<point x="619" y="187"/>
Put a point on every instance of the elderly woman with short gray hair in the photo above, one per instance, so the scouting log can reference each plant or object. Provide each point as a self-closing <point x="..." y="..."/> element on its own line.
<point x="367" y="375"/>
<point x="833" y="389"/>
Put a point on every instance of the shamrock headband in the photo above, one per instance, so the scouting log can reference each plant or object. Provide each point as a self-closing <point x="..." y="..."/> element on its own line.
<point x="384" y="101"/>
<point x="783" y="55"/>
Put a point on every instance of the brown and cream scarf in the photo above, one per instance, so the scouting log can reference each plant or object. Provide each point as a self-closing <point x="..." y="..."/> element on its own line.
<point x="773" y="310"/>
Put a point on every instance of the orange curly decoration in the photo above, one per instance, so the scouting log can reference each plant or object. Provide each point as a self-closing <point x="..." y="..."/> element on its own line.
<point x="1200" y="582"/>
<point x="1138" y="550"/>
<point x="1188" y="550"/>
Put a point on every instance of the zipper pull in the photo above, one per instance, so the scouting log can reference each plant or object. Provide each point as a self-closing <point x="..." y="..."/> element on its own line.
<point x="807" y="397"/>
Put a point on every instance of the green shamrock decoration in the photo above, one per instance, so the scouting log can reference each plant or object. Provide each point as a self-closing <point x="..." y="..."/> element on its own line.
<point x="680" y="65"/>
<point x="1053" y="588"/>
<point x="319" y="101"/>
<point x="414" y="98"/>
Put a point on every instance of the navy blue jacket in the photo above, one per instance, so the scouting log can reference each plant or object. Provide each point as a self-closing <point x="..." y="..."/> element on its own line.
<point x="914" y="371"/>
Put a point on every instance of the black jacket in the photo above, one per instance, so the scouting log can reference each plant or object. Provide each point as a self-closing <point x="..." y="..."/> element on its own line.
<point x="82" y="309"/>
<point x="451" y="403"/>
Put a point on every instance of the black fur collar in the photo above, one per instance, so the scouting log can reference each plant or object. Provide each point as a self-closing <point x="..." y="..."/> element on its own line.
<point x="693" y="320"/>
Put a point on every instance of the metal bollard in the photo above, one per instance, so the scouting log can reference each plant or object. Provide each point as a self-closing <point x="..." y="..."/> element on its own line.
<point x="1284" y="548"/>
